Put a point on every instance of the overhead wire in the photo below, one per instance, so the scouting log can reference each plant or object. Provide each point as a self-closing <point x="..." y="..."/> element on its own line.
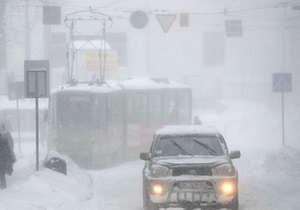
<point x="108" y="5"/>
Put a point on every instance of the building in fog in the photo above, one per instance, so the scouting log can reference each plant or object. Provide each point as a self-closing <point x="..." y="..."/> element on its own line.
<point x="225" y="49"/>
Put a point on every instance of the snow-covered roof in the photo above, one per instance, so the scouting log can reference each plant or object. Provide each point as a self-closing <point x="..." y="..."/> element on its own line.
<point x="148" y="83"/>
<point x="111" y="85"/>
<point x="187" y="130"/>
<point x="108" y="86"/>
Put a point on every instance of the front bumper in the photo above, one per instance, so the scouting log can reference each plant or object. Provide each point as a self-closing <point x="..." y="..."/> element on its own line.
<point x="173" y="195"/>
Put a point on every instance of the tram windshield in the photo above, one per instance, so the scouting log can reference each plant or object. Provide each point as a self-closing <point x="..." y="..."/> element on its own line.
<point x="74" y="111"/>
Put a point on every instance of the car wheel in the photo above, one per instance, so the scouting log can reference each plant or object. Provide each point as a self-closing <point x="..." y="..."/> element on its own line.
<point x="148" y="204"/>
<point x="234" y="205"/>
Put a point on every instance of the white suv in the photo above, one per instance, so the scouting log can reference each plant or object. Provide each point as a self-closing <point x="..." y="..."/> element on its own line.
<point x="189" y="167"/>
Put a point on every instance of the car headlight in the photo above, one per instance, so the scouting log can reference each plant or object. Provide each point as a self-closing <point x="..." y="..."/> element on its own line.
<point x="157" y="188"/>
<point x="228" y="187"/>
<point x="225" y="170"/>
<point x="159" y="170"/>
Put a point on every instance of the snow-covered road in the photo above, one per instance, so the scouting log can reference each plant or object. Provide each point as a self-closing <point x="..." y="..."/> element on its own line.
<point x="269" y="180"/>
<point x="269" y="173"/>
<point x="121" y="187"/>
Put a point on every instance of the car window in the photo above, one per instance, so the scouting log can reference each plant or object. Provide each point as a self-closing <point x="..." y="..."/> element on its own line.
<point x="189" y="145"/>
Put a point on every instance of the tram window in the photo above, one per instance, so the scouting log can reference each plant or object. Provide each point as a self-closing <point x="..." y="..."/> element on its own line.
<point x="169" y="106"/>
<point x="183" y="106"/>
<point x="75" y="112"/>
<point x="119" y="108"/>
<point x="101" y="111"/>
<point x="136" y="107"/>
<point x="109" y="110"/>
<point x="116" y="109"/>
<point x="140" y="107"/>
<point x="154" y="106"/>
<point x="129" y="106"/>
<point x="112" y="109"/>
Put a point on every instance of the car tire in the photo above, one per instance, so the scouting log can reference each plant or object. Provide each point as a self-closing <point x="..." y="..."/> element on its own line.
<point x="148" y="204"/>
<point x="234" y="205"/>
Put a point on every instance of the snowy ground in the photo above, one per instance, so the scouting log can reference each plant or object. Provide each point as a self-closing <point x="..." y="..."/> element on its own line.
<point x="269" y="173"/>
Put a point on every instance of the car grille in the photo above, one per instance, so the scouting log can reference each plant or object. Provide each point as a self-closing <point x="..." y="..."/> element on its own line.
<point x="197" y="171"/>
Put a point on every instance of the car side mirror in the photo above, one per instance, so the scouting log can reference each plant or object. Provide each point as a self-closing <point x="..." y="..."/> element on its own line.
<point x="235" y="154"/>
<point x="144" y="156"/>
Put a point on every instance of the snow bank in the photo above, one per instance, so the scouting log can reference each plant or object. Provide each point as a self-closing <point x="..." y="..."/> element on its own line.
<point x="47" y="189"/>
<point x="284" y="160"/>
<point x="250" y="125"/>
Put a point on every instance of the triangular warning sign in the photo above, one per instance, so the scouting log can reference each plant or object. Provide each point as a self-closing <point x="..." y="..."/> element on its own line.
<point x="166" y="21"/>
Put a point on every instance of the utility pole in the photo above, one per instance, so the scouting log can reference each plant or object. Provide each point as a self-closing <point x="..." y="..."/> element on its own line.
<point x="27" y="38"/>
<point x="2" y="35"/>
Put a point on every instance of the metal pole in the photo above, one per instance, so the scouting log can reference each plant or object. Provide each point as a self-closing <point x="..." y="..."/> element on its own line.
<point x="37" y="120"/>
<point x="27" y="32"/>
<point x="18" y="116"/>
<point x="282" y="106"/>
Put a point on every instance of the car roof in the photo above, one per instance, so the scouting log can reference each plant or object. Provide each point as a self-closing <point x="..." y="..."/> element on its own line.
<point x="187" y="130"/>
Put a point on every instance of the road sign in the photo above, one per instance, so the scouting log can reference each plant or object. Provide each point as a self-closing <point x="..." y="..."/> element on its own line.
<point x="282" y="82"/>
<point x="36" y="78"/>
<point x="139" y="19"/>
<point x="234" y="28"/>
<point x="166" y="21"/>
<point x="51" y="15"/>
<point x="36" y="83"/>
<point x="184" y="20"/>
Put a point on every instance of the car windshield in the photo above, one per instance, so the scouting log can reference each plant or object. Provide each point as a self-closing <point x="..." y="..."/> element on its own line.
<point x="189" y="146"/>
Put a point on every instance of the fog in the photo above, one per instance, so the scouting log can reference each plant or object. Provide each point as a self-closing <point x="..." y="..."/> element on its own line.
<point x="240" y="58"/>
<point x="265" y="165"/>
<point x="225" y="50"/>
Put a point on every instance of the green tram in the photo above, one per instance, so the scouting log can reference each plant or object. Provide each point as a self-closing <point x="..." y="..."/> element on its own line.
<point x="95" y="124"/>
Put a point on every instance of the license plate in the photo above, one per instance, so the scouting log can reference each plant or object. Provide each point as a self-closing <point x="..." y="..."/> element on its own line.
<point x="192" y="185"/>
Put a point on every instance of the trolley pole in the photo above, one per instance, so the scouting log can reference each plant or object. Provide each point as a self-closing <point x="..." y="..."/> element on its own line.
<point x="37" y="122"/>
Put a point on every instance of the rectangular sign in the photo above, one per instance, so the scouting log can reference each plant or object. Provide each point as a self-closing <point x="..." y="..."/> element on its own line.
<point x="51" y="15"/>
<point x="282" y="82"/>
<point x="234" y="28"/>
<point x="36" y="76"/>
<point x="36" y="81"/>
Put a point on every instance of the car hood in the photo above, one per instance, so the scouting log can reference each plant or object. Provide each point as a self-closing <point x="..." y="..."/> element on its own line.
<point x="195" y="160"/>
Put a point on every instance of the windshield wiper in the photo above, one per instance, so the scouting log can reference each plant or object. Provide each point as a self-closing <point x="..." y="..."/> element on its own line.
<point x="179" y="148"/>
<point x="210" y="150"/>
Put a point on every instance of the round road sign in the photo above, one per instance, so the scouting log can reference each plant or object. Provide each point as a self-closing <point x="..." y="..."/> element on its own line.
<point x="138" y="19"/>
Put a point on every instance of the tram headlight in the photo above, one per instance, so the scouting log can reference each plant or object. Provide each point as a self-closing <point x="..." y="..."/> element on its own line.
<point x="159" y="170"/>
